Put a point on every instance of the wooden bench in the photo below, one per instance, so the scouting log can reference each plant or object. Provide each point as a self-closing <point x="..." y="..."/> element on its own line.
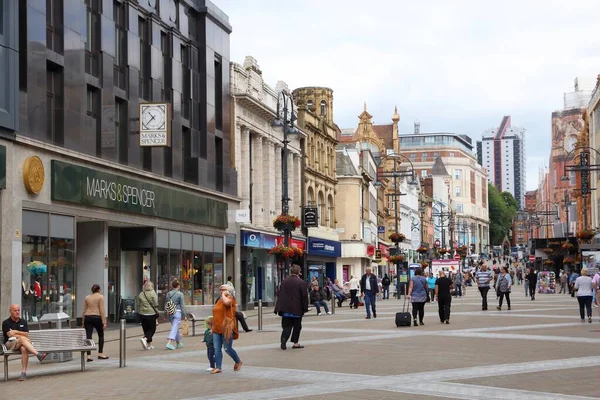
<point x="54" y="341"/>
<point x="198" y="314"/>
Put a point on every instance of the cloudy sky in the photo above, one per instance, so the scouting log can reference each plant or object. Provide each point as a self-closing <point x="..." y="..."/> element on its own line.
<point x="455" y="66"/>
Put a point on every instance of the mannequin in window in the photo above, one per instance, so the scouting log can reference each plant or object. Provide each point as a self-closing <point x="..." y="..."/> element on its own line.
<point x="37" y="291"/>
<point x="28" y="299"/>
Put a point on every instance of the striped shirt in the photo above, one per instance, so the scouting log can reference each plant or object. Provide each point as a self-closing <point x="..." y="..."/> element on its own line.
<point x="484" y="278"/>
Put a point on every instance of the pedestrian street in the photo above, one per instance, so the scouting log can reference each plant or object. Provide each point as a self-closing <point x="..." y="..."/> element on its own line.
<point x="539" y="350"/>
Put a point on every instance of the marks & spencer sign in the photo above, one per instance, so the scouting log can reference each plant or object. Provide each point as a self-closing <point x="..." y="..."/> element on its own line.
<point x="89" y="187"/>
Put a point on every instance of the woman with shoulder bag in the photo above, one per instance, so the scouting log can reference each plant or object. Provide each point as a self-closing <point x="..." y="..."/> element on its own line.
<point x="175" y="309"/>
<point x="418" y="294"/>
<point x="503" y="285"/>
<point x="225" y="329"/>
<point x="148" y="312"/>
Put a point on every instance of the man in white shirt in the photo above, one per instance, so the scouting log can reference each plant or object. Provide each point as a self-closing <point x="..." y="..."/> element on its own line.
<point x="354" y="287"/>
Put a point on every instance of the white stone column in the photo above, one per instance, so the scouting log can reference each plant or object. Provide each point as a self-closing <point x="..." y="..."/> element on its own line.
<point x="257" y="180"/>
<point x="244" y="167"/>
<point x="278" y="178"/>
<point x="268" y="182"/>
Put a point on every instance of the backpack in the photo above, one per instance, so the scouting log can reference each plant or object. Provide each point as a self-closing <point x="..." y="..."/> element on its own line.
<point x="170" y="307"/>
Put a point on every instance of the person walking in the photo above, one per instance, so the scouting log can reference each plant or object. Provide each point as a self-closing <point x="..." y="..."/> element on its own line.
<point x="531" y="282"/>
<point x="563" y="283"/>
<point x="292" y="304"/>
<point x="503" y="285"/>
<point x="417" y="292"/>
<point x="224" y="330"/>
<point x="571" y="281"/>
<point x="369" y="290"/>
<point x="148" y="311"/>
<point x="585" y="292"/>
<point x="209" y="342"/>
<point x="178" y="302"/>
<point x="458" y="283"/>
<point x="94" y="317"/>
<point x="443" y="295"/>
<point x="354" y="287"/>
<point x="385" y="285"/>
<point x="483" y="278"/>
<point x="431" y="286"/>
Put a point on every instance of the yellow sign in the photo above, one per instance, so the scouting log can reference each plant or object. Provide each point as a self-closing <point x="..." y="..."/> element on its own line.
<point x="33" y="174"/>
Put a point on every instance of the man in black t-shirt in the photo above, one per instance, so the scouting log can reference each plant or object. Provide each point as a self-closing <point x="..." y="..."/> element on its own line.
<point x="16" y="337"/>
<point x="443" y="295"/>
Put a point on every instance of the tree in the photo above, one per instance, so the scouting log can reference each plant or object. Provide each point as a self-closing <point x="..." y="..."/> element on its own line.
<point x="503" y="207"/>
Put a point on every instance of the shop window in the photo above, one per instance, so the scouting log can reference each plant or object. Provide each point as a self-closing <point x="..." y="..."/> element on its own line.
<point x="187" y="267"/>
<point x="218" y="266"/>
<point x="48" y="270"/>
<point x="198" y="249"/>
<point x="208" y="271"/>
<point x="175" y="257"/>
<point x="162" y="261"/>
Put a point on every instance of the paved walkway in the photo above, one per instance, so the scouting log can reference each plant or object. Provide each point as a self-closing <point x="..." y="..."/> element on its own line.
<point x="539" y="350"/>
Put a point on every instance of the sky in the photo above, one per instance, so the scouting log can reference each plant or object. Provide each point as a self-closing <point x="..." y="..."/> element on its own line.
<point x="454" y="66"/>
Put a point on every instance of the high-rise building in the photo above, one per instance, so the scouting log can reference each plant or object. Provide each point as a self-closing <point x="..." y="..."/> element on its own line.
<point x="502" y="151"/>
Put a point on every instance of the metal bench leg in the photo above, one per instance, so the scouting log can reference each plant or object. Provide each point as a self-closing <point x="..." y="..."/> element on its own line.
<point x="82" y="361"/>
<point x="5" y="368"/>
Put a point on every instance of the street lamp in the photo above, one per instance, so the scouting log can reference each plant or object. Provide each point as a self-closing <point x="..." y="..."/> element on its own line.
<point x="544" y="211"/>
<point x="285" y="103"/>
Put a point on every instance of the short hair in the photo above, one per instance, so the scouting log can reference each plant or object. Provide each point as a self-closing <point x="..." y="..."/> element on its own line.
<point x="175" y="284"/>
<point x="229" y="278"/>
<point x="584" y="271"/>
<point x="295" y="269"/>
<point x="95" y="288"/>
<point x="148" y="285"/>
<point x="418" y="271"/>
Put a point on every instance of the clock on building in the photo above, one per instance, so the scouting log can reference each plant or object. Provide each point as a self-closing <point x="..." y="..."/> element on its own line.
<point x="155" y="121"/>
<point x="570" y="143"/>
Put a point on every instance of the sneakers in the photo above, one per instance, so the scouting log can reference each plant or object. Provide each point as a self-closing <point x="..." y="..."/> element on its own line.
<point x="22" y="377"/>
<point x="144" y="343"/>
<point x="150" y="347"/>
<point x="209" y="369"/>
<point x="41" y="356"/>
<point x="169" y="346"/>
<point x="328" y="312"/>
<point x="319" y="314"/>
<point x="180" y="345"/>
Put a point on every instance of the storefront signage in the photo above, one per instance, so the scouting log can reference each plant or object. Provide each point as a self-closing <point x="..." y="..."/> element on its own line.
<point x="301" y="244"/>
<point x="370" y="250"/>
<point x="385" y="250"/>
<point x="2" y="167"/>
<point x="311" y="217"/>
<point x="258" y="240"/>
<point x="34" y="175"/>
<point x="155" y="124"/>
<point x="89" y="187"/>
<point x="380" y="229"/>
<point x="323" y="247"/>
<point x="584" y="162"/>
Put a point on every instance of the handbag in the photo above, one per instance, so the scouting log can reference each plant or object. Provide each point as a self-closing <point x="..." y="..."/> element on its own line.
<point x="170" y="307"/>
<point x="228" y="326"/>
<point x="185" y="328"/>
<point x="152" y="305"/>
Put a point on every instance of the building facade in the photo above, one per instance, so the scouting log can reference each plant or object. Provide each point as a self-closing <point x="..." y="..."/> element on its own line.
<point x="315" y="118"/>
<point x="89" y="197"/>
<point x="258" y="150"/>
<point x="466" y="184"/>
<point x="594" y="133"/>
<point x="502" y="152"/>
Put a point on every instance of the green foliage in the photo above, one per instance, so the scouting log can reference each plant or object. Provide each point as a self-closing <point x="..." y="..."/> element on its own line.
<point x="503" y="207"/>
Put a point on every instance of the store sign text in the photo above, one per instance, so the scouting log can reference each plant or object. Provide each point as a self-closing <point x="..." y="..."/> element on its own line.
<point x="104" y="189"/>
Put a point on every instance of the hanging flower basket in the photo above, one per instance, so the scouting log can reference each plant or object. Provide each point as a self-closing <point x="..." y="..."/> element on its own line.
<point x="548" y="262"/>
<point x="568" y="260"/>
<point x="567" y="246"/>
<point x="462" y="254"/>
<point x="286" y="253"/>
<point x="286" y="222"/>
<point x="422" y="250"/>
<point x="548" y="250"/>
<point x="424" y="264"/>
<point x="397" y="237"/>
<point x="586" y="234"/>
<point x="395" y="259"/>
<point x="442" y="251"/>
<point x="462" y="249"/>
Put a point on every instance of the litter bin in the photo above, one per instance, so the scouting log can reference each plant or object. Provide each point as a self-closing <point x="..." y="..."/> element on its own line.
<point x="58" y="318"/>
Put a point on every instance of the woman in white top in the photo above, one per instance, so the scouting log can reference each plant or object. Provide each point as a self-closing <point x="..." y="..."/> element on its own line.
<point x="584" y="288"/>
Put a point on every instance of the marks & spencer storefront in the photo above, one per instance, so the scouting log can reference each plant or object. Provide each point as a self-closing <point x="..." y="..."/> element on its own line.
<point x="88" y="225"/>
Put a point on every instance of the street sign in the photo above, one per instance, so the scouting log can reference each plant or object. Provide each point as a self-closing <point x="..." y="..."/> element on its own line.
<point x="457" y="256"/>
<point x="311" y="217"/>
<point x="380" y="229"/>
<point x="531" y="258"/>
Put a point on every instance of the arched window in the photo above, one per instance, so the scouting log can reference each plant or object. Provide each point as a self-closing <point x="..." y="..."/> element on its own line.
<point x="322" y="210"/>
<point x="309" y="105"/>
<point x="310" y="197"/>
<point x="330" y="212"/>
<point x="323" y="106"/>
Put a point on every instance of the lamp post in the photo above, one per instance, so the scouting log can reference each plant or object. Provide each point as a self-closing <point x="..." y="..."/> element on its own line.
<point x="585" y="160"/>
<point x="285" y="118"/>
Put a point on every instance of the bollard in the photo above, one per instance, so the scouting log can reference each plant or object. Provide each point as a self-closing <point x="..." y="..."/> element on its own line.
<point x="333" y="300"/>
<point x="260" y="315"/>
<point x="122" y="345"/>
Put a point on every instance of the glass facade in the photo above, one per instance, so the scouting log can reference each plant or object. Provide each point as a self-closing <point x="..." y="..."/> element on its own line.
<point x="48" y="269"/>
<point x="195" y="260"/>
<point x="262" y="277"/>
<point x="434" y="141"/>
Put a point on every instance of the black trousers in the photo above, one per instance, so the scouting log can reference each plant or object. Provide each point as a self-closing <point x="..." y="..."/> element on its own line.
<point x="291" y="326"/>
<point x="418" y="308"/>
<point x="240" y="318"/>
<point x="502" y="296"/>
<point x="532" y="290"/>
<point x="484" y="291"/>
<point x="585" y="302"/>
<point x="90" y="323"/>
<point x="149" y="326"/>
<point x="353" y="298"/>
<point x="444" y="308"/>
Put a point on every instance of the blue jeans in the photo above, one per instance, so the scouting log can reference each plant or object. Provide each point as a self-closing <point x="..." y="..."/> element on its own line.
<point x="369" y="302"/>
<point x="175" y="321"/>
<point x="386" y="292"/>
<point x="210" y="353"/>
<point x="318" y="304"/>
<point x="219" y="341"/>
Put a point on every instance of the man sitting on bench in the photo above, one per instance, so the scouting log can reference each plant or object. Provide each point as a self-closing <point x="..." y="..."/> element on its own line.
<point x="16" y="337"/>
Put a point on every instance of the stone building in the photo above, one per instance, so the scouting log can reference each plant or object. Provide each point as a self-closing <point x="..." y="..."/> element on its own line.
<point x="258" y="147"/>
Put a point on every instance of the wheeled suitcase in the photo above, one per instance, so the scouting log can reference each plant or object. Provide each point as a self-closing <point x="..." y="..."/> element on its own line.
<point x="403" y="318"/>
